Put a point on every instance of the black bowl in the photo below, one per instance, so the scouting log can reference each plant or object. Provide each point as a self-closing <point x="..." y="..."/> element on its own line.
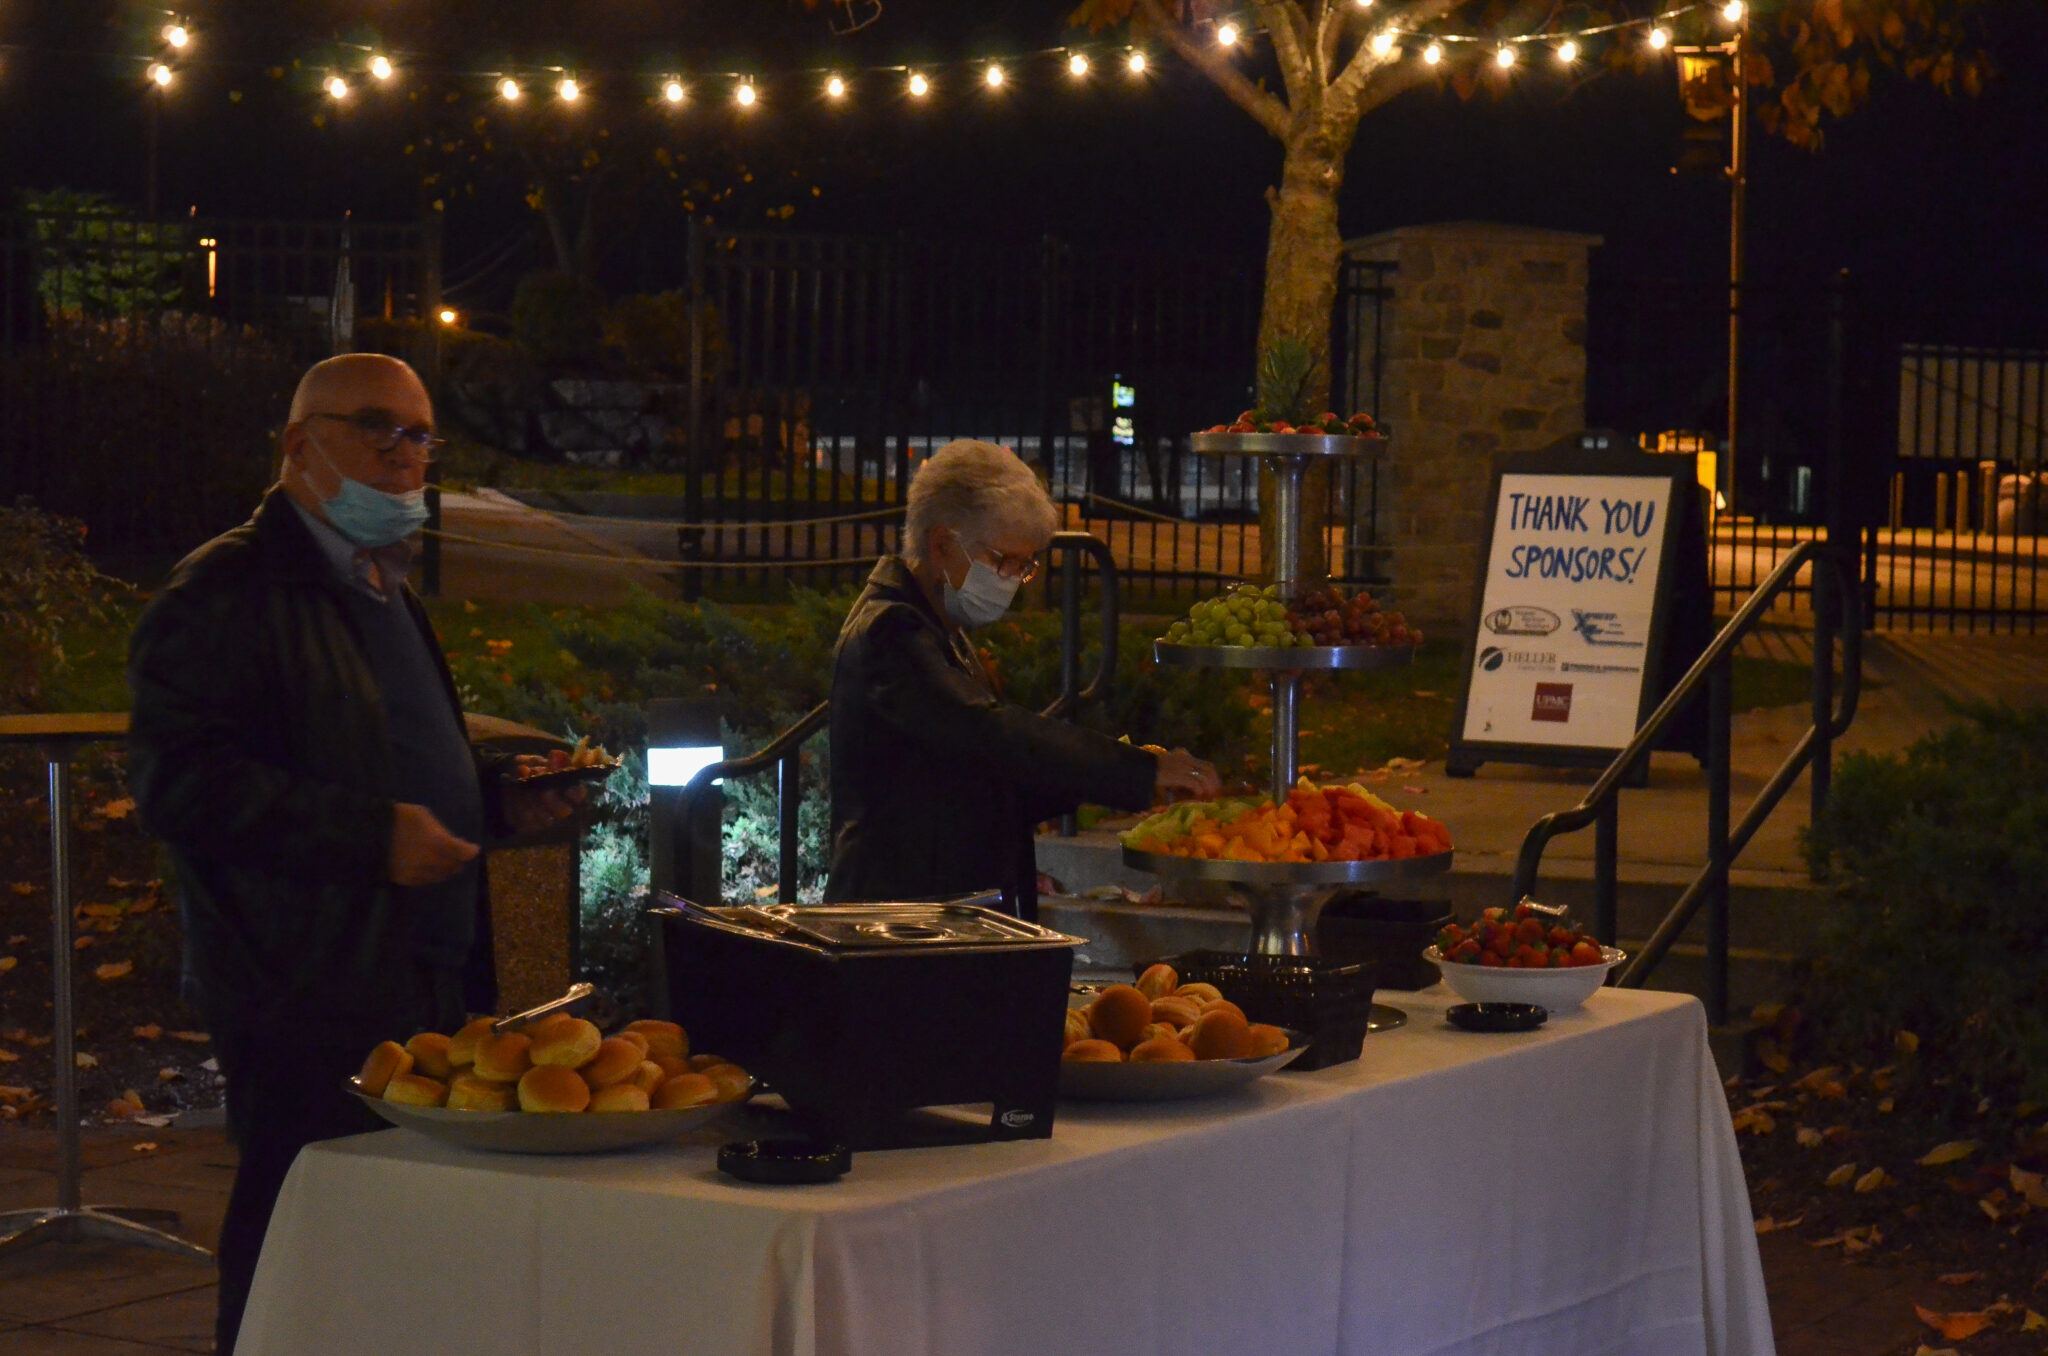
<point x="1497" y="1016"/>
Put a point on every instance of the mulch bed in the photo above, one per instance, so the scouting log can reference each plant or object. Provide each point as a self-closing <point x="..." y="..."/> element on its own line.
<point x="1895" y="1166"/>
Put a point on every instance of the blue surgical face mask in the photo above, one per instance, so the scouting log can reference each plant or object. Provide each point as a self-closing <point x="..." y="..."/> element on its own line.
<point x="983" y="597"/>
<point x="368" y="516"/>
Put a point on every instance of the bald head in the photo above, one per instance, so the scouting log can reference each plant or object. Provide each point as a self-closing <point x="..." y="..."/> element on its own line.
<point x="352" y="381"/>
<point x="321" y="444"/>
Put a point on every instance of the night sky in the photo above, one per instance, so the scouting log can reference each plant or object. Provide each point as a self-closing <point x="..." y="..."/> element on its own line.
<point x="1941" y="200"/>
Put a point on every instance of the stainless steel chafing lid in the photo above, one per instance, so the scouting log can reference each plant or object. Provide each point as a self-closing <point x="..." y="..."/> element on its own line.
<point x="911" y="929"/>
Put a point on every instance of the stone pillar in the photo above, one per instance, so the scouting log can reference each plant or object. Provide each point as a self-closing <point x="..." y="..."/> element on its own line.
<point x="1482" y="352"/>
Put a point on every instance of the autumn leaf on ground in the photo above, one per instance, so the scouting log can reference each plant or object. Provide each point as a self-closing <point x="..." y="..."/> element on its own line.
<point x="1813" y="1081"/>
<point x="2031" y="1186"/>
<point x="99" y="911"/>
<point x="18" y="939"/>
<point x="1808" y="1137"/>
<point x="127" y="1104"/>
<point x="8" y="1057"/>
<point x="191" y="1037"/>
<point x="1842" y="1176"/>
<point x="1924" y="1350"/>
<point x="147" y="1146"/>
<point x="86" y="1061"/>
<point x="2034" y="1322"/>
<point x="1959" y="1278"/>
<point x="1955" y="1151"/>
<point x="148" y="1033"/>
<point x="1954" y="1327"/>
<point x="169" y="1075"/>
<point x="113" y="970"/>
<point x="1754" y="1122"/>
<point x="1872" y="1180"/>
<point x="1767" y="1225"/>
<point x="1772" y="1056"/>
<point x="116" y="809"/>
<point x="7" y="963"/>
<point x="81" y="943"/>
<point x="1885" y="1107"/>
<point x="1905" y="1042"/>
<point x="10" y="1093"/>
<point x="22" y="887"/>
<point x="1990" y="1209"/>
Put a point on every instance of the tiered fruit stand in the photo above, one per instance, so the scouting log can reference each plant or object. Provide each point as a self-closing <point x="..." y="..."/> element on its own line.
<point x="1286" y="898"/>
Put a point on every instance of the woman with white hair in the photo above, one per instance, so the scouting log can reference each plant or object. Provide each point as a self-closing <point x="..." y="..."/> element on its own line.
<point x="937" y="782"/>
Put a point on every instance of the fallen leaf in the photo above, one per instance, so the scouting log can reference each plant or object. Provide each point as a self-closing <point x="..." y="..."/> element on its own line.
<point x="113" y="970"/>
<point x="1881" y="1079"/>
<point x="147" y="1146"/>
<point x="169" y="1075"/>
<point x="191" y="1037"/>
<point x="1885" y="1107"/>
<point x="1959" y="1278"/>
<point x="148" y="1033"/>
<point x="22" y="887"/>
<point x="1905" y="1042"/>
<point x="99" y="910"/>
<point x="1416" y="790"/>
<point x="1812" y="1081"/>
<point x="2034" y="1322"/>
<point x="2030" y="1186"/>
<point x="1954" y="1327"/>
<point x="127" y="1104"/>
<point x="10" y="1093"/>
<point x="1832" y="1091"/>
<point x="1808" y="1137"/>
<point x="116" y="809"/>
<point x="1754" y="1122"/>
<point x="86" y="1061"/>
<point x="1842" y="1176"/>
<point x="1990" y="1208"/>
<point x="1771" y="1056"/>
<point x="1955" y="1151"/>
<point x="1872" y="1180"/>
<point x="1767" y="1225"/>
<point x="81" y="943"/>
<point x="1404" y="764"/>
<point x="7" y="963"/>
<point x="155" y="1122"/>
<point x="18" y="939"/>
<point x="8" y="1057"/>
<point x="1924" y="1350"/>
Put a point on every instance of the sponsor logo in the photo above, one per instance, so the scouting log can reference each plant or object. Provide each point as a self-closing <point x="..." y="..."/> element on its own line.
<point x="1493" y="658"/>
<point x="1553" y="703"/>
<point x="1603" y="628"/>
<point x="1569" y="667"/>
<point x="1522" y="621"/>
<point x="1017" y="1120"/>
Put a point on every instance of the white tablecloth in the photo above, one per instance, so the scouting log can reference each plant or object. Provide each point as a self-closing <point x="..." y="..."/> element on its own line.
<point x="1567" y="1192"/>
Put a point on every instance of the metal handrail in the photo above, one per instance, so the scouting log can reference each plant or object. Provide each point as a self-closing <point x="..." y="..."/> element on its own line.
<point x="1712" y="670"/>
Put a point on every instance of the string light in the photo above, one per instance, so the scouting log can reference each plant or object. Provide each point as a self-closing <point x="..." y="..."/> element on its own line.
<point x="177" y="35"/>
<point x="1226" y="35"/>
<point x="674" y="92"/>
<point x="1734" y="12"/>
<point x="569" y="90"/>
<point x="1505" y="57"/>
<point x="337" y="88"/>
<point x="1567" y="51"/>
<point x="508" y="90"/>
<point x="1660" y="38"/>
<point x="835" y="88"/>
<point x="994" y="76"/>
<point x="1383" y="42"/>
<point x="448" y="315"/>
<point x="1433" y="53"/>
<point x="745" y="94"/>
<point x="1136" y="63"/>
<point x="1077" y="64"/>
<point x="919" y="86"/>
<point x="380" y="67"/>
<point x="161" y="74"/>
<point x="1364" y="4"/>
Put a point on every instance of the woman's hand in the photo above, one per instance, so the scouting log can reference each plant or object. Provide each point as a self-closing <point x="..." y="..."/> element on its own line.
<point x="1180" y="771"/>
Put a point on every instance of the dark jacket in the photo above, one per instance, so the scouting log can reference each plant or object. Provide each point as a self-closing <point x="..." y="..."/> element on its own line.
<point x="936" y="782"/>
<point x="259" y="752"/>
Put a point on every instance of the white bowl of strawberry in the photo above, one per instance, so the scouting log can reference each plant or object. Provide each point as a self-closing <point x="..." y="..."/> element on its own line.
<point x="1521" y="956"/>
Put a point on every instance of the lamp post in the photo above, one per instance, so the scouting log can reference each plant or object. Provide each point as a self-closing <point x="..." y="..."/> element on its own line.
<point x="1701" y="71"/>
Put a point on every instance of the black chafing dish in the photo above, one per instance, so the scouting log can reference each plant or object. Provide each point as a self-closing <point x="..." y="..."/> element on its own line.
<point x="859" y="1015"/>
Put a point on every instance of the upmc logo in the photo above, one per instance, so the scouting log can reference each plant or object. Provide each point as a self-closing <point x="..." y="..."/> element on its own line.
<point x="1553" y="702"/>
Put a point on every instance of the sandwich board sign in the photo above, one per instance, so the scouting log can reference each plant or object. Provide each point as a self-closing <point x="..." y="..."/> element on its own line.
<point x="1593" y="583"/>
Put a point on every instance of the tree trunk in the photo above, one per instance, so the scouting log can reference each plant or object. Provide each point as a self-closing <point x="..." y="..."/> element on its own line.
<point x="1303" y="252"/>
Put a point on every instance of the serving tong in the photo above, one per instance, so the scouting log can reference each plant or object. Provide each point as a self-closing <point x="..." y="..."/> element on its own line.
<point x="572" y="995"/>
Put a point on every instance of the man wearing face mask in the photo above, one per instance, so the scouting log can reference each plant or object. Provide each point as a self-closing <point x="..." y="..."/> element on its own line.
<point x="297" y="743"/>
<point x="937" y="782"/>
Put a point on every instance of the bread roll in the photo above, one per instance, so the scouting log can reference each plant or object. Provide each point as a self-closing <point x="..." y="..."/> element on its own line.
<point x="1120" y="1015"/>
<point x="1162" y="1050"/>
<point x="429" y="1051"/>
<point x="1177" y="1012"/>
<point x="690" y="1089"/>
<point x="1225" y="1005"/>
<point x="731" y="1080"/>
<point x="1076" y="1028"/>
<point x="462" y="1045"/>
<point x="1198" y="991"/>
<point x="569" y="1044"/>
<point x="1093" y="1052"/>
<point x="1267" y="1039"/>
<point x="699" y="1063"/>
<point x="671" y="1065"/>
<point x="1158" y="981"/>
<point x="647" y="1077"/>
<point x="551" y="1087"/>
<point x="619" y="1097"/>
<point x="636" y="1038"/>
<point x="503" y="1058"/>
<point x="467" y="1092"/>
<point x="386" y="1062"/>
<point x="1221" y="1034"/>
<point x="415" y="1090"/>
<point x="1155" y="1030"/>
<point x="663" y="1038"/>
<point x="615" y="1062"/>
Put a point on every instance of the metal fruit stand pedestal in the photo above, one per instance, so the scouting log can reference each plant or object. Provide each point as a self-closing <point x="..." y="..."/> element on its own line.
<point x="1286" y="898"/>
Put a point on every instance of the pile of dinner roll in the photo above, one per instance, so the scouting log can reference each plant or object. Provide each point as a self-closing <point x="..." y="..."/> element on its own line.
<point x="1161" y="1020"/>
<point x="559" y="1063"/>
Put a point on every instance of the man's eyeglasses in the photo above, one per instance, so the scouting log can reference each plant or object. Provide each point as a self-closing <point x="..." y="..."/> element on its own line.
<point x="386" y="438"/>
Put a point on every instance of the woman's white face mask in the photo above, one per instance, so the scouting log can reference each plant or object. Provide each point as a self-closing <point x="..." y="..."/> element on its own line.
<point x="982" y="597"/>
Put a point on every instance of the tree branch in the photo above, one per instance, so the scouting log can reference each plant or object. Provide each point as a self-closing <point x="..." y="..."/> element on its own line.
<point x="1294" y="45"/>
<point x="1269" y="112"/>
<point x="1329" y="29"/>
<point x="1347" y="90"/>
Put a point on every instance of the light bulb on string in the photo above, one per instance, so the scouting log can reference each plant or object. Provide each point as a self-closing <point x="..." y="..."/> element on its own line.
<point x="835" y="88"/>
<point x="994" y="77"/>
<point x="337" y="88"/>
<point x="744" y="95"/>
<point x="674" y="92"/>
<point x="1660" y="38"/>
<point x="1567" y="51"/>
<point x="449" y="316"/>
<point x="160" y="74"/>
<point x="1077" y="64"/>
<point x="919" y="86"/>
<point x="380" y="67"/>
<point x="1433" y="53"/>
<point x="1363" y="4"/>
<point x="1383" y="43"/>
<point x="1226" y="35"/>
<point x="1505" y="57"/>
<point x="569" y="89"/>
<point x="178" y="36"/>
<point x="508" y="90"/>
<point x="1734" y="11"/>
<point x="1136" y="62"/>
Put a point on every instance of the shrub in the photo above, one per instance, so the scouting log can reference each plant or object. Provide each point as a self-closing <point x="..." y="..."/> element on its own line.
<point x="1943" y="854"/>
<point x="94" y="259"/>
<point x="556" y="317"/>
<point x="46" y="585"/>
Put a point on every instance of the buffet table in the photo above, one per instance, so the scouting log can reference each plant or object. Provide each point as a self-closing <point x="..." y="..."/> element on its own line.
<point x="1574" y="1189"/>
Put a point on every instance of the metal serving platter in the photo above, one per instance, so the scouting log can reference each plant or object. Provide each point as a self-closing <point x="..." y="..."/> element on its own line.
<point x="1167" y="1082"/>
<point x="1348" y="657"/>
<point x="1296" y="444"/>
<point x="1377" y="872"/>
<point x="531" y="1132"/>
